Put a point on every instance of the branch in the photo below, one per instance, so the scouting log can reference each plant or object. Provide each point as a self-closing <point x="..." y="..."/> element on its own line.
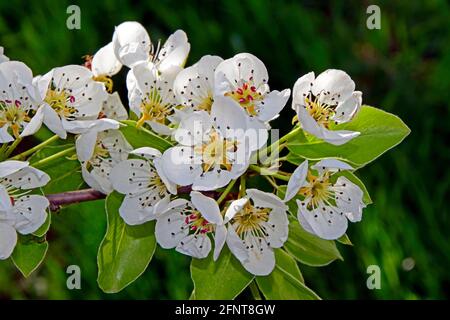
<point x="71" y="197"/>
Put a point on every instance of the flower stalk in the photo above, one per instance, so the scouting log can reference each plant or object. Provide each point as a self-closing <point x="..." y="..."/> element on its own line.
<point x="36" y="148"/>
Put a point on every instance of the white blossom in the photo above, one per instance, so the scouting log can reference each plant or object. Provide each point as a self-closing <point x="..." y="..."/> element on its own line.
<point x="325" y="202"/>
<point x="132" y="45"/>
<point x="326" y="100"/>
<point x="187" y="226"/>
<point x="19" y="101"/>
<point x="71" y="96"/>
<point x="212" y="149"/>
<point x="151" y="96"/>
<point x="257" y="223"/>
<point x="99" y="148"/>
<point x="144" y="184"/>
<point x="19" y="211"/>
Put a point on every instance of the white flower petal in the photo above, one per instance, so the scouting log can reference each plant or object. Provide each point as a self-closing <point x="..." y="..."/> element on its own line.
<point x="133" y="213"/>
<point x="197" y="246"/>
<point x="11" y="166"/>
<point x="207" y="207"/>
<point x="193" y="128"/>
<point x="261" y="260"/>
<point x="179" y="167"/>
<point x="174" y="52"/>
<point x="53" y="121"/>
<point x="8" y="240"/>
<point x="28" y="178"/>
<point x="347" y="109"/>
<point x="266" y="199"/>
<point x="171" y="187"/>
<point x="5" y="137"/>
<point x="219" y="240"/>
<point x="170" y="229"/>
<point x="302" y="87"/>
<point x="113" y="107"/>
<point x="236" y="245"/>
<point x="147" y="152"/>
<point x="331" y="165"/>
<point x="351" y="200"/>
<point x="277" y="228"/>
<point x="274" y="102"/>
<point x="85" y="144"/>
<point x="131" y="176"/>
<point x="228" y="117"/>
<point x="234" y="208"/>
<point x="296" y="181"/>
<point x="338" y="83"/>
<point x="30" y="213"/>
<point x="105" y="62"/>
<point x="212" y="180"/>
<point x="34" y="125"/>
<point x="131" y="43"/>
<point x="5" y="200"/>
<point x="327" y="222"/>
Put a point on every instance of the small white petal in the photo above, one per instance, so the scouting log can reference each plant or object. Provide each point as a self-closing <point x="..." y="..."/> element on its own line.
<point x="326" y="222"/>
<point x="274" y="102"/>
<point x="296" y="181"/>
<point x="219" y="239"/>
<point x="234" y="208"/>
<point x="197" y="246"/>
<point x="8" y="240"/>
<point x="338" y="83"/>
<point x="266" y="199"/>
<point x="302" y="87"/>
<point x="30" y="213"/>
<point x="105" y="62"/>
<point x="131" y="43"/>
<point x="331" y="165"/>
<point x="11" y="166"/>
<point x="207" y="207"/>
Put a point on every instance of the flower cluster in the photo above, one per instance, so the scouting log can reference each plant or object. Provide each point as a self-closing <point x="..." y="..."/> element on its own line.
<point x="216" y="114"/>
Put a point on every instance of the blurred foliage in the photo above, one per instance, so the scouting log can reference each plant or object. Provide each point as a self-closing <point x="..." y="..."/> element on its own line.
<point x="402" y="68"/>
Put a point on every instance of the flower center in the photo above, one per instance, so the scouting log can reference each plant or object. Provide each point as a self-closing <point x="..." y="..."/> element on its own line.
<point x="214" y="152"/>
<point x="247" y="94"/>
<point x="206" y="104"/>
<point x="251" y="220"/>
<point x="14" y="115"/>
<point x="153" y="108"/>
<point x="197" y="223"/>
<point x="107" y="81"/>
<point x="59" y="101"/>
<point x="321" y="112"/>
<point x="318" y="190"/>
<point x="155" y="182"/>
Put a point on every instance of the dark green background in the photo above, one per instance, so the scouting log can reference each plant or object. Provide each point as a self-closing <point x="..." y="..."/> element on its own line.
<point x="402" y="68"/>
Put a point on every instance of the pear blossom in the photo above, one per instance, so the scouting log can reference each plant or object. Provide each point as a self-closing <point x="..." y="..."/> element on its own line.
<point x="326" y="202"/>
<point x="3" y="58"/>
<point x="99" y="148"/>
<point x="329" y="98"/>
<point x="257" y="223"/>
<point x="244" y="78"/>
<point x="151" y="96"/>
<point x="212" y="149"/>
<point x="70" y="96"/>
<point x="19" y="211"/>
<point x="144" y="184"/>
<point x="19" y="101"/>
<point x="132" y="45"/>
<point x="187" y="225"/>
<point x="194" y="86"/>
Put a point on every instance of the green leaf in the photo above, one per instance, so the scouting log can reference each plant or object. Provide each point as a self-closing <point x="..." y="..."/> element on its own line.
<point x="142" y="137"/>
<point x="44" y="228"/>
<point x="286" y="281"/>
<point x="29" y="254"/>
<point x="345" y="240"/>
<point x="223" y="279"/>
<point x="308" y="248"/>
<point x="65" y="173"/>
<point x="380" y="131"/>
<point x="125" y="251"/>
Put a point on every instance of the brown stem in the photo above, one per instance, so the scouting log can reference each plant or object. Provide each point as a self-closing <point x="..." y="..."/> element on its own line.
<point x="59" y="199"/>
<point x="70" y="197"/>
